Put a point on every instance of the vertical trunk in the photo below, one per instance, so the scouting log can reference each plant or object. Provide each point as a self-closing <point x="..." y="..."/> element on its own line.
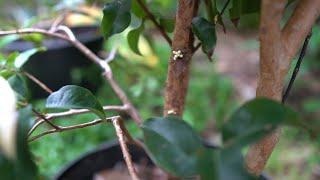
<point x="178" y="71"/>
<point x="277" y="48"/>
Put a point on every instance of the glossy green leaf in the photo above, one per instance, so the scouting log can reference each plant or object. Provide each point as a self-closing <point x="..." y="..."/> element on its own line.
<point x="168" y="24"/>
<point x="133" y="38"/>
<point x="208" y="164"/>
<point x="206" y="33"/>
<point x="231" y="165"/>
<point x="24" y="56"/>
<point x="116" y="17"/>
<point x="255" y="119"/>
<point x="19" y="85"/>
<point x="137" y="10"/>
<point x="75" y="97"/>
<point x="172" y="145"/>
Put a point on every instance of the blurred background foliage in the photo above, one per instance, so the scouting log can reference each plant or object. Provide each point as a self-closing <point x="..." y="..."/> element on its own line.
<point x="212" y="94"/>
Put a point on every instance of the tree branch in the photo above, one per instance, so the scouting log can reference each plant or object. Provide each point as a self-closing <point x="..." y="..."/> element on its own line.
<point x="153" y="19"/>
<point x="178" y="70"/>
<point x="277" y="50"/>
<point x="270" y="80"/>
<point x="67" y="128"/>
<point x="299" y="25"/>
<point x="71" y="112"/>
<point x="124" y="148"/>
<point x="94" y="58"/>
<point x="37" y="81"/>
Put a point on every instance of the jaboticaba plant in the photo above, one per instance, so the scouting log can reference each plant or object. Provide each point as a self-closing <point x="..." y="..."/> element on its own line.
<point x="171" y="143"/>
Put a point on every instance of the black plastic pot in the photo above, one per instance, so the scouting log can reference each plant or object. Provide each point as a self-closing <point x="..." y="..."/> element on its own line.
<point x="53" y="67"/>
<point x="106" y="157"/>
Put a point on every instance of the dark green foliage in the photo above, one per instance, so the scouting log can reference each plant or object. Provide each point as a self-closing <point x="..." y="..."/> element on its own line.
<point x="116" y="17"/>
<point x="75" y="97"/>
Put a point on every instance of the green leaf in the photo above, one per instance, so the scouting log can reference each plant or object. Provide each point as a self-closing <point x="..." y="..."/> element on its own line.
<point x="24" y="166"/>
<point x="6" y="168"/>
<point x="255" y="119"/>
<point x="172" y="145"/>
<point x="206" y="33"/>
<point x="75" y="97"/>
<point x="11" y="59"/>
<point x="133" y="38"/>
<point x="19" y="85"/>
<point x="231" y="165"/>
<point x="221" y="164"/>
<point x="24" y="56"/>
<point x="7" y="40"/>
<point x="137" y="10"/>
<point x="243" y="7"/>
<point x="34" y="38"/>
<point x="168" y="24"/>
<point x="208" y="164"/>
<point x="116" y="17"/>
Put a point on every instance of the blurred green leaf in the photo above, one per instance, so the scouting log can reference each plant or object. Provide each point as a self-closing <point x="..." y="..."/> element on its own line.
<point x="173" y="145"/>
<point x="116" y="17"/>
<point x="35" y="38"/>
<point x="6" y="168"/>
<point x="75" y="97"/>
<point x="7" y="40"/>
<point x="206" y="33"/>
<point x="254" y="120"/>
<point x="168" y="24"/>
<point x="137" y="10"/>
<point x="11" y="59"/>
<point x="24" y="167"/>
<point x="243" y="7"/>
<point x="312" y="105"/>
<point x="19" y="85"/>
<point x="133" y="38"/>
<point x="24" y="56"/>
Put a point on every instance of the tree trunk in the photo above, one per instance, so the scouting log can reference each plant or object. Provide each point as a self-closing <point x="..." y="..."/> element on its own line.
<point x="277" y="49"/>
<point x="178" y="71"/>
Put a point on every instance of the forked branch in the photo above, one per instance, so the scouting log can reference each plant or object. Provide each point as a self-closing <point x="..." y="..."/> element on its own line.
<point x="91" y="56"/>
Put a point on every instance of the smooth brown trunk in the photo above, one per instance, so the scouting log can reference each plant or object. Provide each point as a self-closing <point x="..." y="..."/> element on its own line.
<point x="277" y="48"/>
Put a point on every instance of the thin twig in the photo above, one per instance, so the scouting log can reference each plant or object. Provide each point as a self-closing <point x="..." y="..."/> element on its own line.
<point x="67" y="128"/>
<point x="124" y="148"/>
<point x="91" y="56"/>
<point x="71" y="112"/>
<point x="57" y="22"/>
<point x="153" y="19"/>
<point x="296" y="68"/>
<point x="224" y="8"/>
<point x="75" y="43"/>
<point x="37" y="81"/>
<point x="38" y="114"/>
<point x="122" y="96"/>
<point x="67" y="31"/>
<point x="130" y="139"/>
